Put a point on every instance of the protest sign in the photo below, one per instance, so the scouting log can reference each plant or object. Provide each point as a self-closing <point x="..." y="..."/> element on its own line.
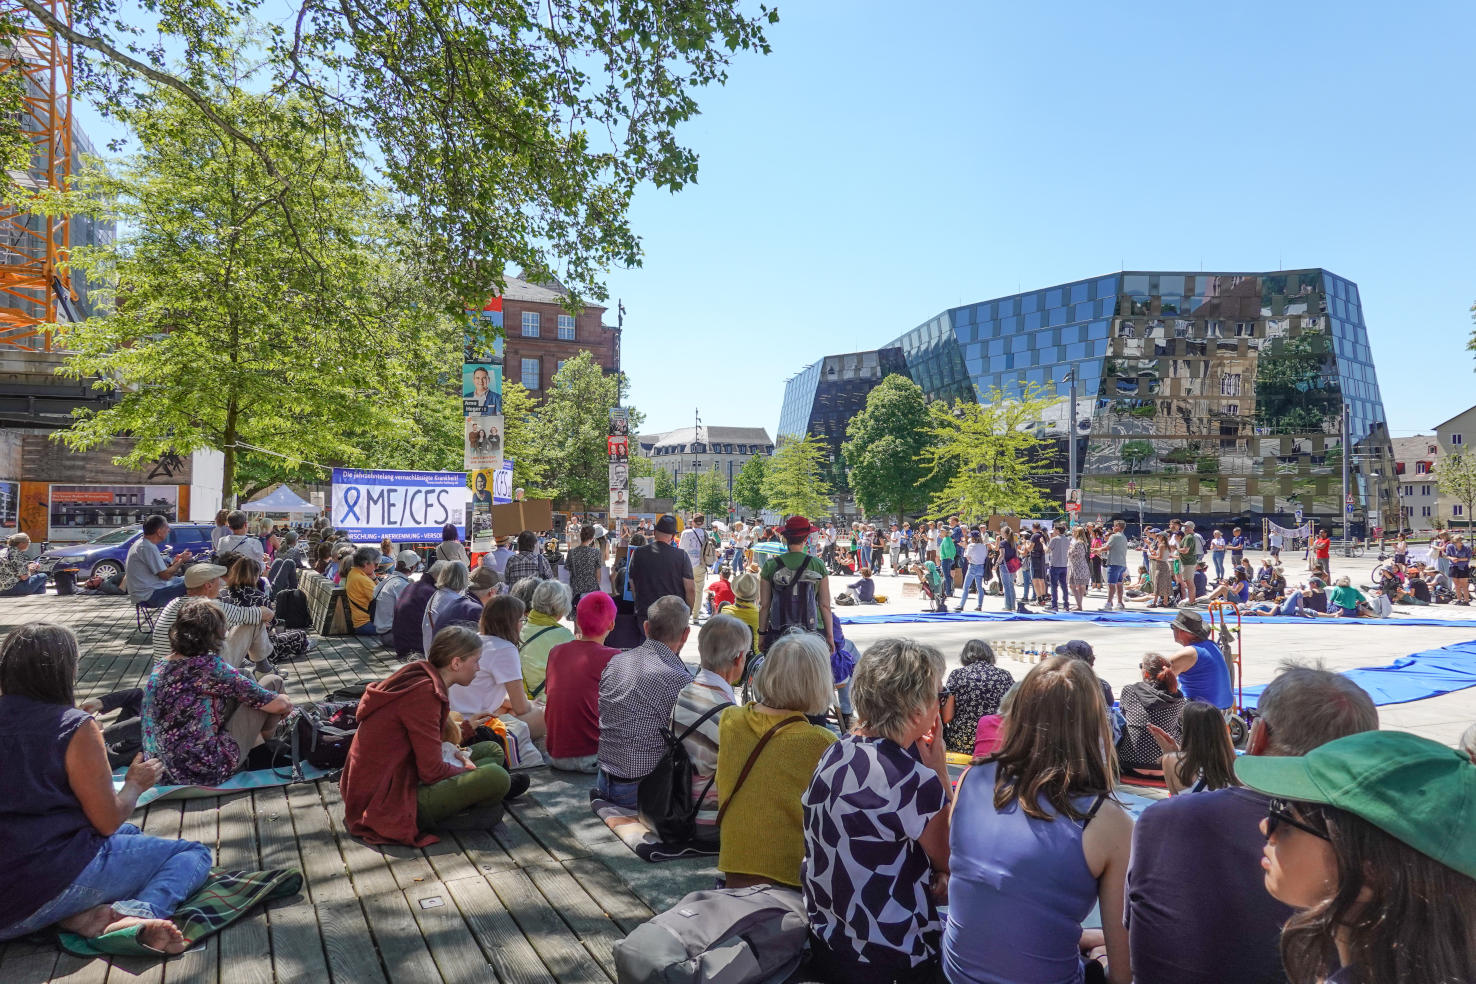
<point x="406" y="506"/>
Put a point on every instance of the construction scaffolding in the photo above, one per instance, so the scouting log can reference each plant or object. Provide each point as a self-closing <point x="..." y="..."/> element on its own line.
<point x="35" y="283"/>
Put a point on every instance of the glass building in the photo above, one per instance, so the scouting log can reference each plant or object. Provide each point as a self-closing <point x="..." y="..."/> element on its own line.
<point x="1220" y="396"/>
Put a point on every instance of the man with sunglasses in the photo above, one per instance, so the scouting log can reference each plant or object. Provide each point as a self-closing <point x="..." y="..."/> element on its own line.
<point x="1197" y="908"/>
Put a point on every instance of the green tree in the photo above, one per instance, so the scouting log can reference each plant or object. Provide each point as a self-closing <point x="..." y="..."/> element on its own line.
<point x="520" y="439"/>
<point x="1296" y="386"/>
<point x="991" y="454"/>
<point x="226" y="334"/>
<point x="686" y="492"/>
<point x="511" y="132"/>
<point x="569" y="433"/>
<point x="1135" y="454"/>
<point x="665" y="484"/>
<point x="1455" y="474"/>
<point x="884" y="450"/>
<point x="795" y="484"/>
<point x="712" y="493"/>
<point x="750" y="485"/>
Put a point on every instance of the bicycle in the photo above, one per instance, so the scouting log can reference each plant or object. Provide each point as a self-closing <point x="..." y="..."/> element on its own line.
<point x="1357" y="547"/>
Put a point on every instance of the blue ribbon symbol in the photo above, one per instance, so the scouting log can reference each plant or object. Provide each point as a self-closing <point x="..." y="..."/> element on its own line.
<point x="350" y="500"/>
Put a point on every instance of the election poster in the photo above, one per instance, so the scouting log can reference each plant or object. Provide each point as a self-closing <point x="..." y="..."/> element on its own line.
<point x="482" y="450"/>
<point x="484" y="338"/>
<point x="481" y="390"/>
<point x="618" y="448"/>
<point x="406" y="506"/>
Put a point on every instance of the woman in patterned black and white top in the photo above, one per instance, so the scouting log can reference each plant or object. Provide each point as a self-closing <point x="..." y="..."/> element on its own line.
<point x="1154" y="700"/>
<point x="876" y="827"/>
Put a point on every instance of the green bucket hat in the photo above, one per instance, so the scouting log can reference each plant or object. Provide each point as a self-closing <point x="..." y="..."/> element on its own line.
<point x="1415" y="790"/>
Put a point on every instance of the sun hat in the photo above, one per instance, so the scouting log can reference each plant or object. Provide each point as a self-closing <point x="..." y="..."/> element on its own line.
<point x="1415" y="790"/>
<point x="795" y="527"/>
<point x="1192" y="623"/>
<point x="746" y="586"/>
<point x="483" y="578"/>
<point x="199" y="575"/>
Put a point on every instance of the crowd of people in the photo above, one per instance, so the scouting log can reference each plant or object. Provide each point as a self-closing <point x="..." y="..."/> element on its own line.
<point x="1331" y="851"/>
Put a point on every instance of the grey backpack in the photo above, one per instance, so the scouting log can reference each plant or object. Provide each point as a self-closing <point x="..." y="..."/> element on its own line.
<point x="726" y="936"/>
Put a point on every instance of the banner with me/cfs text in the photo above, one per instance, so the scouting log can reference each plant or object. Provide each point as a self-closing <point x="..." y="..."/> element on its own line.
<point x="406" y="506"/>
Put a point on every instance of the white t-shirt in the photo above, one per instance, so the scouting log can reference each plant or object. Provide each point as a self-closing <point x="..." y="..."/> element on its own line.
<point x="976" y="553"/>
<point x="488" y="690"/>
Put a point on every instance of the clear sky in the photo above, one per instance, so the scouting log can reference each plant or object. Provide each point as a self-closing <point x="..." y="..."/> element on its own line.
<point x="887" y="162"/>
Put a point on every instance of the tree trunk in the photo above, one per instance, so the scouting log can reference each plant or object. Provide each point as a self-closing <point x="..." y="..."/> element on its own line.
<point x="228" y="471"/>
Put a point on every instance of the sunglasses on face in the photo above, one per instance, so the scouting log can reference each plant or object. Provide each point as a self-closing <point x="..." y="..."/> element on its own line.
<point x="1280" y="811"/>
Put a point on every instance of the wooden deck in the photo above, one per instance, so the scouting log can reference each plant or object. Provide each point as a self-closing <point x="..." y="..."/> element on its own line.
<point x="543" y="896"/>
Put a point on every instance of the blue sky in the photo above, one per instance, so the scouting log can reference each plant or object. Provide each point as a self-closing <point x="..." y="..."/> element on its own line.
<point x="879" y="168"/>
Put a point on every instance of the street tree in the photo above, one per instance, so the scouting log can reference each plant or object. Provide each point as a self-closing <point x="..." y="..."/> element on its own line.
<point x="795" y="484"/>
<point x="520" y="438"/>
<point x="665" y="484"/>
<point x="884" y="450"/>
<point x="238" y="313"/>
<point x="686" y="492"/>
<point x="991" y="453"/>
<point x="750" y="485"/>
<point x="1455" y="473"/>
<point x="510" y="132"/>
<point x="569" y="433"/>
<point x="712" y="493"/>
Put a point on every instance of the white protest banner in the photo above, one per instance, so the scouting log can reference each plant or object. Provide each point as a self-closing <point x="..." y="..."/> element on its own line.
<point x="406" y="506"/>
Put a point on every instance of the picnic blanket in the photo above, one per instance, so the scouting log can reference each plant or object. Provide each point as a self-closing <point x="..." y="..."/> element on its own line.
<point x="240" y="782"/>
<point x="225" y="897"/>
<point x="626" y="824"/>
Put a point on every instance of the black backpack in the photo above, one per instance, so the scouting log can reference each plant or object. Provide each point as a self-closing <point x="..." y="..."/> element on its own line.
<point x="292" y="609"/>
<point x="792" y="599"/>
<point x="665" y="796"/>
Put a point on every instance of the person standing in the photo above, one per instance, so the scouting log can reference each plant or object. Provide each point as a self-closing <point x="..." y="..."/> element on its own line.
<point x="1238" y="542"/>
<point x="894" y="540"/>
<point x="1217" y="546"/>
<point x="794" y="589"/>
<point x="976" y="556"/>
<point x="659" y="568"/>
<point x="697" y="545"/>
<point x="1322" y="551"/>
<point x="1116" y="551"/>
<point x="1058" y="552"/>
<point x="947" y="552"/>
<point x="1460" y="569"/>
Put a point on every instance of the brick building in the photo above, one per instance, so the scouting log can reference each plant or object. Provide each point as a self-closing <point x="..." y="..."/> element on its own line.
<point x="541" y="335"/>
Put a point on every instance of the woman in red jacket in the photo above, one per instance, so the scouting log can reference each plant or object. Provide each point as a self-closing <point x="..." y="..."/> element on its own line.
<point x="399" y="780"/>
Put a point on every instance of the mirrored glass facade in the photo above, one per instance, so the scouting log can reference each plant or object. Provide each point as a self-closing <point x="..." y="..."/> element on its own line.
<point x="1215" y="395"/>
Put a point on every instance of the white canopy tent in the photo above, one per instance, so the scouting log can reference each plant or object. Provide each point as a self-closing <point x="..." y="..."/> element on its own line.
<point x="281" y="500"/>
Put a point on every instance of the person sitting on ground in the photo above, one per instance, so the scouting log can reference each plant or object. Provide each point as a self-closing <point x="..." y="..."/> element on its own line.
<point x="1360" y="839"/>
<point x="572" y="712"/>
<point x="931" y="579"/>
<point x="1082" y="650"/>
<point x="449" y="605"/>
<point x="527" y="562"/>
<point x="637" y="690"/>
<point x="859" y="592"/>
<point x="1199" y="663"/>
<point x="1154" y="700"/>
<point x="1220" y="925"/>
<point x="387" y="593"/>
<point x="1140" y="587"/>
<point x="723" y="645"/>
<point x="1037" y="839"/>
<point x="1203" y="757"/>
<point x="745" y="607"/>
<point x="974" y="690"/>
<point x="206" y="581"/>
<point x="720" y="592"/>
<point x="186" y="725"/>
<point x="1467" y="744"/>
<point x="148" y="579"/>
<point x="70" y="858"/>
<point x="498" y="689"/>
<point x="761" y="822"/>
<point x="239" y="541"/>
<point x="409" y="621"/>
<point x="1236" y="589"/>
<point x="397" y="784"/>
<point x="359" y="584"/>
<point x="243" y="590"/>
<point x="876" y="826"/>
<point x="450" y="548"/>
<point x="545" y="629"/>
<point x="19" y="575"/>
<point x="1347" y="601"/>
<point x="1379" y="605"/>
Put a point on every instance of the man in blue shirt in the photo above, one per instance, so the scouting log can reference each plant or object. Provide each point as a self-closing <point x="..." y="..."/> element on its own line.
<point x="150" y="581"/>
<point x="1200" y="665"/>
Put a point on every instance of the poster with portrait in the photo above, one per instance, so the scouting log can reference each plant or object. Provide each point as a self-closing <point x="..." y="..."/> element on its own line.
<point x="619" y="421"/>
<point x="481" y="389"/>
<point x="619" y="449"/>
<point x="482" y="449"/>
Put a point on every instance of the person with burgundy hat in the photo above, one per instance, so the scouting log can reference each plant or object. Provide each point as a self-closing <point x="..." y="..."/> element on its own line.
<point x="794" y="588"/>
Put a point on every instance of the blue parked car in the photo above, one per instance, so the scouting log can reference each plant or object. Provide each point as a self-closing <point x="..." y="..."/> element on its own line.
<point x="104" y="555"/>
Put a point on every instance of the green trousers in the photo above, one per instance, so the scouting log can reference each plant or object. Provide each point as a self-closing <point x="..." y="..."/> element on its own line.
<point x="483" y="786"/>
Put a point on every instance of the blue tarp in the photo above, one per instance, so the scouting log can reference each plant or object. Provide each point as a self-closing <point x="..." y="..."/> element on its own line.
<point x="1416" y="677"/>
<point x="1139" y="618"/>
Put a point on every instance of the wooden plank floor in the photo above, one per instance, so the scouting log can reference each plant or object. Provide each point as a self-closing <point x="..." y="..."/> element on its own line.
<point x="543" y="896"/>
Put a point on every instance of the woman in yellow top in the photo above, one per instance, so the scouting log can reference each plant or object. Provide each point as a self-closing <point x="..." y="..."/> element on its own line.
<point x="544" y="630"/>
<point x="358" y="584"/>
<point x="744" y="607"/>
<point x="761" y="821"/>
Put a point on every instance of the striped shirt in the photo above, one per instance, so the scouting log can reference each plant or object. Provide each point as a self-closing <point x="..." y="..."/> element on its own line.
<point x="165" y="620"/>
<point x="706" y="691"/>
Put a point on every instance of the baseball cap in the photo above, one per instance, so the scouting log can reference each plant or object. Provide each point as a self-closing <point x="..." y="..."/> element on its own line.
<point x="200" y="575"/>
<point x="1079" y="648"/>
<point x="666" y="524"/>
<point x="409" y="558"/>
<point x="1415" y="790"/>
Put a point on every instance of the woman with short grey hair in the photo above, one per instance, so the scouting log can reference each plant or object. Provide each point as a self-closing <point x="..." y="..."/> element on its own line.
<point x="548" y="603"/>
<point x="696" y="716"/>
<point x="523" y="590"/>
<point x="552" y="599"/>
<point x="451" y="581"/>
<point x="974" y="691"/>
<point x="876" y="825"/>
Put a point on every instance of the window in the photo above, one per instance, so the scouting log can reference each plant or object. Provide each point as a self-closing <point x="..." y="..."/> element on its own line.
<point x="530" y="325"/>
<point x="1422" y="468"/>
<point x="530" y="371"/>
<point x="566" y="327"/>
<point x="1457" y="510"/>
<point x="1425" y="511"/>
<point x="561" y="365"/>
<point x="1424" y="490"/>
<point x="1455" y="439"/>
<point x="1230" y="384"/>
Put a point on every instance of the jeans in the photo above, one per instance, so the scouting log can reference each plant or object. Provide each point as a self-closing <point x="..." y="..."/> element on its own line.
<point x="138" y="875"/>
<point x="621" y="792"/>
<point x="367" y="629"/>
<point x="947" y="566"/>
<point x="35" y="584"/>
<point x="974" y="576"/>
<point x="486" y="784"/>
<point x="172" y="589"/>
<point x="1218" y="556"/>
<point x="1058" y="579"/>
<point x="843" y="698"/>
<point x="866" y="557"/>
<point x="1007" y="581"/>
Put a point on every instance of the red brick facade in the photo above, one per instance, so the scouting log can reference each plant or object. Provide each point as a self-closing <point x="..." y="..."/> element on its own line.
<point x="547" y="348"/>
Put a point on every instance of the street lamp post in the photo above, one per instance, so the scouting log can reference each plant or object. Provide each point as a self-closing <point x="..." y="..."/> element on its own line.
<point x="1071" y="440"/>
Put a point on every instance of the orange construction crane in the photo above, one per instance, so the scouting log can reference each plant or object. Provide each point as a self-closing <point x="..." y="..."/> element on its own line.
<point x="35" y="283"/>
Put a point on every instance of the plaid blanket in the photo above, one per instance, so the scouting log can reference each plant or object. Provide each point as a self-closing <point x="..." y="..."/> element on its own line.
<point x="225" y="897"/>
<point x="634" y="834"/>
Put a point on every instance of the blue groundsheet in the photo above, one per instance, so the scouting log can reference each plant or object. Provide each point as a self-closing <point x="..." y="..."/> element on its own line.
<point x="240" y="782"/>
<point x="1409" y="678"/>
<point x="1137" y="618"/>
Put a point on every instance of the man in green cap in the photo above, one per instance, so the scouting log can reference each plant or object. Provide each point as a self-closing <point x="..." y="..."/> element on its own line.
<point x="1196" y="908"/>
